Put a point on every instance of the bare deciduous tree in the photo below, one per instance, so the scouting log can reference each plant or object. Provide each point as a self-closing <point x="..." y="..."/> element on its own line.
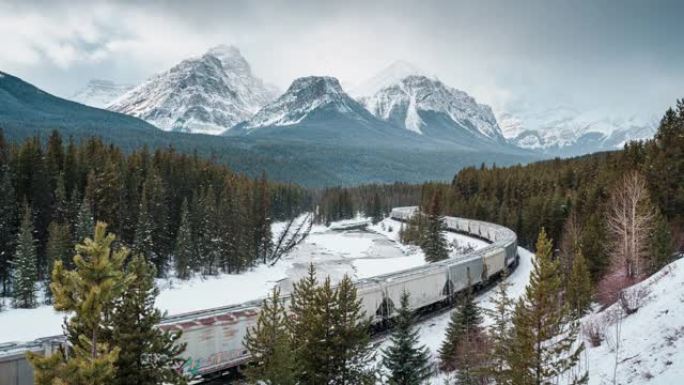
<point x="291" y="236"/>
<point x="630" y="221"/>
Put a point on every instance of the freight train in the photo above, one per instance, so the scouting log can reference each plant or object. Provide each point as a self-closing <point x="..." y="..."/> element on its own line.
<point x="214" y="337"/>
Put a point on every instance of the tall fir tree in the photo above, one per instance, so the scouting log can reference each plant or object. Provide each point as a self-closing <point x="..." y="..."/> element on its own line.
<point x="497" y="368"/>
<point x="156" y="199"/>
<point x="303" y="317"/>
<point x="89" y="294"/>
<point x="434" y="243"/>
<point x="8" y="227"/>
<point x="376" y="209"/>
<point x="25" y="263"/>
<point x="269" y="345"/>
<point x="143" y="241"/>
<point x="148" y="354"/>
<point x="351" y="339"/>
<point x="185" y="248"/>
<point x="544" y="333"/>
<point x="661" y="245"/>
<point x="464" y="336"/>
<point x="85" y="221"/>
<point x="262" y="226"/>
<point x="58" y="248"/>
<point x="406" y="362"/>
<point x="578" y="291"/>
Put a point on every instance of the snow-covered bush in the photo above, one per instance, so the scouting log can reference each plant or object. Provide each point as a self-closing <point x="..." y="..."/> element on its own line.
<point x="594" y="330"/>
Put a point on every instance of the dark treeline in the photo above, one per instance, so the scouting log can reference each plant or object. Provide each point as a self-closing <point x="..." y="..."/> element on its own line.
<point x="161" y="204"/>
<point x="375" y="200"/>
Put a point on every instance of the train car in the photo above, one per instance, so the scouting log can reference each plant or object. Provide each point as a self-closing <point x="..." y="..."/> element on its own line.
<point x="464" y="272"/>
<point x="494" y="260"/>
<point x="372" y="296"/>
<point x="214" y="341"/>
<point x="426" y="286"/>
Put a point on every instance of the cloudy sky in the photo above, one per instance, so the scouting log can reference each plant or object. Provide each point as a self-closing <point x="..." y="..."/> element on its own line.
<point x="622" y="56"/>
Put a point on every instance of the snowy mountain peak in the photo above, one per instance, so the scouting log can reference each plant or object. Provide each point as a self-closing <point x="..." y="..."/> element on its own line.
<point x="390" y="75"/>
<point x="417" y="102"/>
<point x="230" y="58"/>
<point x="305" y="95"/>
<point x="100" y="92"/>
<point x="567" y="131"/>
<point x="206" y="94"/>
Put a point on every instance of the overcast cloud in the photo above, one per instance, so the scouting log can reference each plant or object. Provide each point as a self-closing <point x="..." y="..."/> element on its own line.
<point x="626" y="57"/>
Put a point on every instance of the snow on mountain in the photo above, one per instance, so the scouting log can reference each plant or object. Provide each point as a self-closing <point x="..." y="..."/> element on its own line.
<point x="392" y="74"/>
<point x="206" y="94"/>
<point x="417" y="102"/>
<point x="99" y="93"/>
<point x="304" y="96"/>
<point x="564" y="130"/>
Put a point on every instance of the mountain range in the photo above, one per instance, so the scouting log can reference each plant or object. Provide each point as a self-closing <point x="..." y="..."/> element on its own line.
<point x="217" y="92"/>
<point x="567" y="131"/>
<point x="382" y="153"/>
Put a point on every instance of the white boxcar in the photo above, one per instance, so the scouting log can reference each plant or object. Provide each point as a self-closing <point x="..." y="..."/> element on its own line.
<point x="371" y="294"/>
<point x="426" y="286"/>
<point x="494" y="260"/>
<point x="214" y="342"/>
<point x="461" y="270"/>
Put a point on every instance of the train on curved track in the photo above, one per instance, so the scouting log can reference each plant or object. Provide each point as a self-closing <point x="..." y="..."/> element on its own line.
<point x="214" y="336"/>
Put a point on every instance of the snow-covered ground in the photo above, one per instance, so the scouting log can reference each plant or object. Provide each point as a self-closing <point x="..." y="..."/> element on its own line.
<point x="359" y="253"/>
<point x="651" y="343"/>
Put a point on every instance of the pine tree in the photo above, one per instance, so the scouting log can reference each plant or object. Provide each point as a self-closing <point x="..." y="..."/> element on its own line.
<point x="434" y="243"/>
<point x="544" y="332"/>
<point x="89" y="293"/>
<point x="148" y="355"/>
<point x="262" y="227"/>
<point x="58" y="248"/>
<point x="156" y="200"/>
<point x="8" y="227"/>
<point x="61" y="210"/>
<point x="497" y="368"/>
<point x="268" y="343"/>
<point x="85" y="222"/>
<point x="660" y="243"/>
<point x="184" y="244"/>
<point x="303" y="317"/>
<point x="463" y="331"/>
<point x="351" y="340"/>
<point x="143" y="242"/>
<point x="25" y="270"/>
<point x="578" y="292"/>
<point x="407" y="362"/>
<point x="376" y="209"/>
<point x="329" y="333"/>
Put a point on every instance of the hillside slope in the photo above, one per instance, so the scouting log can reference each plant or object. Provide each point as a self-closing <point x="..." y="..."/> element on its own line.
<point x="27" y="108"/>
<point x="651" y="343"/>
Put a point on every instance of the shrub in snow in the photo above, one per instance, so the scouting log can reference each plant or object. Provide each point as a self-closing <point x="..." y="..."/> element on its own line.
<point x="594" y="330"/>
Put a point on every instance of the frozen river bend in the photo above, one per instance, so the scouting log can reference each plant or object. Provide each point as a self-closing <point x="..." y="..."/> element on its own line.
<point x="361" y="254"/>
